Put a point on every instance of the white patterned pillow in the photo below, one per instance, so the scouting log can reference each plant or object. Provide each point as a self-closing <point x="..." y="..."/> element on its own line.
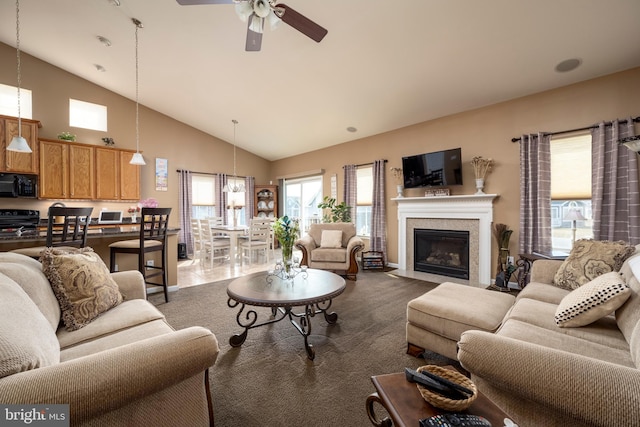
<point x="592" y="301"/>
<point x="331" y="239"/>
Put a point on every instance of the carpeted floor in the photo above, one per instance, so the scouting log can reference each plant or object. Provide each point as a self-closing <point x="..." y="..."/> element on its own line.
<point x="270" y="382"/>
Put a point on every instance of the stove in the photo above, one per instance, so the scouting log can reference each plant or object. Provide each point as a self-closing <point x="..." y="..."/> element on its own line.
<point x="17" y="222"/>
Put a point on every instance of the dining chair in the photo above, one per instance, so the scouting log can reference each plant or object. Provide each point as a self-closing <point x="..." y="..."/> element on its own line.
<point x="214" y="247"/>
<point x="257" y="239"/>
<point x="196" y="237"/>
<point x="66" y="228"/>
<point x="154" y="223"/>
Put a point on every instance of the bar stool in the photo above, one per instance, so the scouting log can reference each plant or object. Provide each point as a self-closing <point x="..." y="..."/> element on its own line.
<point x="66" y="228"/>
<point x="153" y="238"/>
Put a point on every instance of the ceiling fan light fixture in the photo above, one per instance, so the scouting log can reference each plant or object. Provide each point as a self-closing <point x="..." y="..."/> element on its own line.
<point x="244" y="10"/>
<point x="257" y="24"/>
<point x="261" y="8"/>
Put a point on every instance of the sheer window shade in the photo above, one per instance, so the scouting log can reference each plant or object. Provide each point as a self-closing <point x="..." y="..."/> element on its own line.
<point x="203" y="190"/>
<point x="571" y="168"/>
<point x="365" y="185"/>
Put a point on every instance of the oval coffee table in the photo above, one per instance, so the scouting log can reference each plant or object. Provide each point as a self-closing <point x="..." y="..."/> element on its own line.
<point x="313" y="290"/>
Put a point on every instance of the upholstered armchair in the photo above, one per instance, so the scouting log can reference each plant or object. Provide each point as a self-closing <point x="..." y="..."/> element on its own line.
<point x="331" y="246"/>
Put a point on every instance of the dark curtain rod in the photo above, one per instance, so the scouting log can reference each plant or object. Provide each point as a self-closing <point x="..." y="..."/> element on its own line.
<point x="635" y="120"/>
<point x="207" y="173"/>
<point x="367" y="164"/>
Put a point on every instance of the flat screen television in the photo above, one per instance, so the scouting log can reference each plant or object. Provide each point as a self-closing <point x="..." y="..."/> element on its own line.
<point x="437" y="169"/>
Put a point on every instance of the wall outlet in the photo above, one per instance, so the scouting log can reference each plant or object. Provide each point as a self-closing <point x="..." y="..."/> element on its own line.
<point x="150" y="262"/>
<point x="510" y="260"/>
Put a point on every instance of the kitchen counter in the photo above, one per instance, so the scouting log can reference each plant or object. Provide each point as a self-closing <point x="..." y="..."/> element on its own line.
<point x="99" y="238"/>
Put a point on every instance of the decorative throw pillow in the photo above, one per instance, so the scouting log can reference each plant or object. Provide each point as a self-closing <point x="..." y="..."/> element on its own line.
<point x="592" y="301"/>
<point x="589" y="259"/>
<point x="82" y="283"/>
<point x="331" y="239"/>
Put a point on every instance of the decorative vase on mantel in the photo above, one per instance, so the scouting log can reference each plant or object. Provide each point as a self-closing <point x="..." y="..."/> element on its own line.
<point x="480" y="186"/>
<point x="400" y="189"/>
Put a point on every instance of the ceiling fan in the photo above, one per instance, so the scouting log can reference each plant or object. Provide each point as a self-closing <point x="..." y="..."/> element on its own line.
<point x="256" y="11"/>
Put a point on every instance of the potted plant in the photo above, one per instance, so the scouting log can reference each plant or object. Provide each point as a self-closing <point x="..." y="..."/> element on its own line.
<point x="337" y="212"/>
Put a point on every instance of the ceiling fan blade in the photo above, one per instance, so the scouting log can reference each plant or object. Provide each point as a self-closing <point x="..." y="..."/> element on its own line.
<point x="192" y="2"/>
<point x="303" y="24"/>
<point x="254" y="40"/>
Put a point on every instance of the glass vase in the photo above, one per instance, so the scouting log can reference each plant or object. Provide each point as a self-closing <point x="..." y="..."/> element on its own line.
<point x="287" y="258"/>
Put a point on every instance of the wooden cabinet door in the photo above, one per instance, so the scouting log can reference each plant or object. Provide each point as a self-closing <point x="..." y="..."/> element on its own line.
<point x="107" y="174"/>
<point x="20" y="162"/>
<point x="129" y="178"/>
<point x="81" y="172"/>
<point x="54" y="170"/>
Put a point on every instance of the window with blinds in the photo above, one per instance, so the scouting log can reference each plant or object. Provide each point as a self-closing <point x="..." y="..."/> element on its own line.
<point x="364" y="176"/>
<point x="203" y="196"/>
<point x="570" y="190"/>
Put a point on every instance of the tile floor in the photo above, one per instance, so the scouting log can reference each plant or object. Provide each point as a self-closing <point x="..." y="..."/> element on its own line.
<point x="193" y="272"/>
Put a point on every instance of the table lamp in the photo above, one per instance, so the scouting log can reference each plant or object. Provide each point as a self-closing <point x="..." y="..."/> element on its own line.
<point x="574" y="215"/>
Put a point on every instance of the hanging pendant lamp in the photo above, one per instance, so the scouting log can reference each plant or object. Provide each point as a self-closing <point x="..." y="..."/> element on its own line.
<point x="18" y="143"/>
<point x="137" y="158"/>
<point x="234" y="187"/>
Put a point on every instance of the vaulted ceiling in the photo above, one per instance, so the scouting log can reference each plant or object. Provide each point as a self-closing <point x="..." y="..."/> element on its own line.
<point x="383" y="64"/>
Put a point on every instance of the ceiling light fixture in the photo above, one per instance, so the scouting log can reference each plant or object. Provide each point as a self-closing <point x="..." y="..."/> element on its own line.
<point x="115" y="2"/>
<point x="18" y="143"/>
<point x="137" y="158"/>
<point x="234" y="187"/>
<point x="257" y="11"/>
<point x="632" y="143"/>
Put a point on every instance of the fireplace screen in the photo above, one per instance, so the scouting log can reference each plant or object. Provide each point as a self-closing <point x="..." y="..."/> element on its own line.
<point x="443" y="252"/>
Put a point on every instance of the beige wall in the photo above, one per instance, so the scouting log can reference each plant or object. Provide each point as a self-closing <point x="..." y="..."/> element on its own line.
<point x="160" y="135"/>
<point x="483" y="132"/>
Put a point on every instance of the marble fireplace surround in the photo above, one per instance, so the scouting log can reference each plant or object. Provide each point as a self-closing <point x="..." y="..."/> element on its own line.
<point x="473" y="213"/>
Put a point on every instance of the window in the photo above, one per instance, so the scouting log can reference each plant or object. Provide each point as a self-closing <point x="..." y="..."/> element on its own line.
<point x="9" y="101"/>
<point x="570" y="190"/>
<point x="87" y="115"/>
<point x="236" y="202"/>
<point x="362" y="214"/>
<point x="301" y="198"/>
<point x="203" y="196"/>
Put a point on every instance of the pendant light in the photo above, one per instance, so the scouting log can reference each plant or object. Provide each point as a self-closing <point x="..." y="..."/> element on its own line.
<point x="235" y="187"/>
<point x="18" y="143"/>
<point x="137" y="158"/>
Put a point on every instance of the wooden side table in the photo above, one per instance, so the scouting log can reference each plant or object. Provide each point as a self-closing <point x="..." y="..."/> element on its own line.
<point x="404" y="403"/>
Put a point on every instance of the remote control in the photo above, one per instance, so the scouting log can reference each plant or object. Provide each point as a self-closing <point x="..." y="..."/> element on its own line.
<point x="455" y="420"/>
<point x="446" y="382"/>
<point x="423" y="380"/>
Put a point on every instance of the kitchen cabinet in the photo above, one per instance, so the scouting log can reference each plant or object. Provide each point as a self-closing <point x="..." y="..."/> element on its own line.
<point x="66" y="170"/>
<point x="71" y="170"/>
<point x="129" y="177"/>
<point x="266" y="201"/>
<point x="11" y="161"/>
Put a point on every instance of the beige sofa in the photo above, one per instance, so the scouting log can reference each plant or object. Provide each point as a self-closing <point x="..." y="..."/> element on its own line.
<point x="321" y="251"/>
<point x="127" y="367"/>
<point x="545" y="375"/>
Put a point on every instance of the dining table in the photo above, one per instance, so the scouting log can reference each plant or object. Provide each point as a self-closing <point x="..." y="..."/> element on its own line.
<point x="233" y="231"/>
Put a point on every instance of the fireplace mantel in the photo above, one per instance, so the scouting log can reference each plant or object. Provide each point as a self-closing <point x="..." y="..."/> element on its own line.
<point x="467" y="207"/>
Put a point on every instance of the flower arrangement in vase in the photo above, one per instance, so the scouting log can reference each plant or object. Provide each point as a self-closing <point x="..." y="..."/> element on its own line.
<point x="287" y="231"/>
<point x="134" y="211"/>
<point x="397" y="173"/>
<point x="481" y="167"/>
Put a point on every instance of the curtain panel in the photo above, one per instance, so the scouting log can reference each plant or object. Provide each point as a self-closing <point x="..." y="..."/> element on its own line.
<point x="221" y="197"/>
<point x="378" y="236"/>
<point x="351" y="188"/>
<point x="249" y="207"/>
<point x="535" y="193"/>
<point x="185" y="201"/>
<point x="615" y="200"/>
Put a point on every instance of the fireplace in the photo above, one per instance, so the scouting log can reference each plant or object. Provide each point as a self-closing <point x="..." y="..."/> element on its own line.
<point x="443" y="252"/>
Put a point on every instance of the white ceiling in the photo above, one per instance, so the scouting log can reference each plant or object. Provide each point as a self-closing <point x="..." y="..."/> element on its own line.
<point x="383" y="65"/>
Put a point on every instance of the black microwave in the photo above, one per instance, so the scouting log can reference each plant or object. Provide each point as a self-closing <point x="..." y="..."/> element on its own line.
<point x="18" y="185"/>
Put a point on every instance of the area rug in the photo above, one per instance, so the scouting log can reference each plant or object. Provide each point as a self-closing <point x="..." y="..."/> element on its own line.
<point x="270" y="382"/>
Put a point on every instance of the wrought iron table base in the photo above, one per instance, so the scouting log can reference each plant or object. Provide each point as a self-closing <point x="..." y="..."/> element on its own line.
<point x="303" y="325"/>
